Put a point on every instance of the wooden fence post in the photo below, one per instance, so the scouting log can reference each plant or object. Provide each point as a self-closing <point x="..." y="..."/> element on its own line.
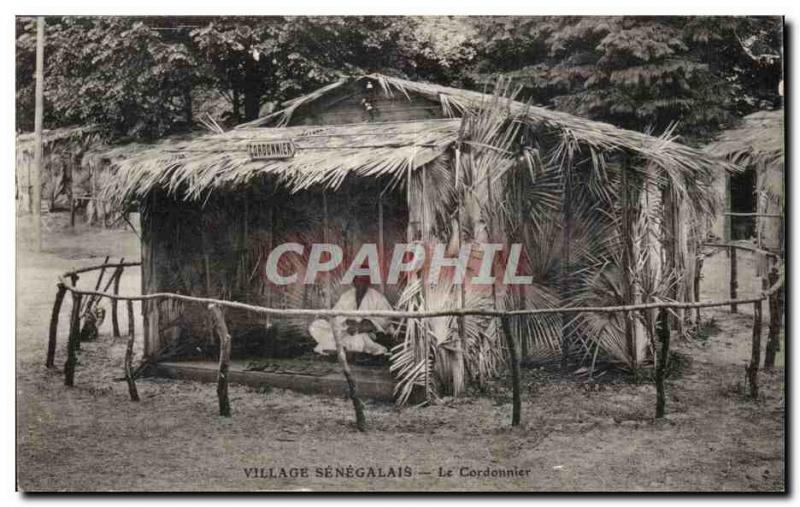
<point x="773" y="341"/>
<point x="134" y="393"/>
<point x="131" y="319"/>
<point x="90" y="300"/>
<point x="352" y="388"/>
<point x="663" y="362"/>
<point x="698" y="275"/>
<point x="74" y="338"/>
<point x="51" y="343"/>
<point x="224" y="359"/>
<point x="734" y="282"/>
<point x="755" y="352"/>
<point x="516" y="408"/>
<point x="114" y="320"/>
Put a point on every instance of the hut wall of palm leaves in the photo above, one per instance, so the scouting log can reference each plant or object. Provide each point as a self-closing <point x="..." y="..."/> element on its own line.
<point x="757" y="144"/>
<point x="606" y="217"/>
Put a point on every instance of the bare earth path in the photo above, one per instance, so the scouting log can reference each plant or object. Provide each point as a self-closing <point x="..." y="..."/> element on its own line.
<point x="575" y="437"/>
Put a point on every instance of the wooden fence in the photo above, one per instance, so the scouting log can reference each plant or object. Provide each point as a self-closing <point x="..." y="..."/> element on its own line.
<point x="68" y="283"/>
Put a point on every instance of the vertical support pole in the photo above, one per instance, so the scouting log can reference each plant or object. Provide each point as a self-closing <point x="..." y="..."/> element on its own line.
<point x="245" y="236"/>
<point x="36" y="183"/>
<point x="566" y="257"/>
<point x="206" y="259"/>
<point x="325" y="226"/>
<point x="516" y="407"/>
<point x="51" y="342"/>
<point x="755" y="352"/>
<point x="698" y="270"/>
<point x="269" y="288"/>
<point x="727" y="233"/>
<point x="462" y="339"/>
<point x="663" y="361"/>
<point x="425" y="298"/>
<point x="132" y="391"/>
<point x="520" y="238"/>
<point x="627" y="268"/>
<point x="492" y="232"/>
<point x="207" y="270"/>
<point x="734" y="284"/>
<point x="224" y="359"/>
<point x="72" y="343"/>
<point x="114" y="318"/>
<point x="131" y="319"/>
<point x="381" y="245"/>
<point x="72" y="212"/>
<point x="773" y="340"/>
<point x="352" y="388"/>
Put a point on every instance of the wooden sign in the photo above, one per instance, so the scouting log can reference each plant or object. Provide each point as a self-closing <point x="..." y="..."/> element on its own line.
<point x="270" y="150"/>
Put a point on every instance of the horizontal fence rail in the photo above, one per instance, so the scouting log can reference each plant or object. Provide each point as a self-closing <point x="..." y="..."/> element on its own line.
<point x="751" y="214"/>
<point x="456" y="312"/>
<point x="215" y="305"/>
<point x="746" y="248"/>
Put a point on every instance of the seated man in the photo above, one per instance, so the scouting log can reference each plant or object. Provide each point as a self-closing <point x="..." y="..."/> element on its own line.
<point x="357" y="334"/>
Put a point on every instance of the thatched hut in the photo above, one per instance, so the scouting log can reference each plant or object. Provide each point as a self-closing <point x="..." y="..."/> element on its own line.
<point x="62" y="151"/>
<point x="754" y="192"/>
<point x="379" y="159"/>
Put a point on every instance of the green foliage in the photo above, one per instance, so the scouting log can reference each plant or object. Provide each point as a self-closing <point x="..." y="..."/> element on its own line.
<point x="149" y="76"/>
<point x="268" y="60"/>
<point x="118" y="73"/>
<point x="146" y="77"/>
<point x="642" y="73"/>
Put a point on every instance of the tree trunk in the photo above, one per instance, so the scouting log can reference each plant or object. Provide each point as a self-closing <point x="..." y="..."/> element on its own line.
<point x="252" y="97"/>
<point x="235" y="106"/>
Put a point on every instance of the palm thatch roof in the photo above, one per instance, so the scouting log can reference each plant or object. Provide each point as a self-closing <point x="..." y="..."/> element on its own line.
<point x="26" y="140"/>
<point x="323" y="156"/>
<point x="326" y="154"/>
<point x="598" y="135"/>
<point x="757" y="140"/>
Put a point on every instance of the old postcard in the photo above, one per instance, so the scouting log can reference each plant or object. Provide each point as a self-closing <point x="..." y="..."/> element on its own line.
<point x="400" y="253"/>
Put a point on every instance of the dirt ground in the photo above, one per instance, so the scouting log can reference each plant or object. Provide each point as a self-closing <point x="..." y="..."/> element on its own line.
<point x="574" y="437"/>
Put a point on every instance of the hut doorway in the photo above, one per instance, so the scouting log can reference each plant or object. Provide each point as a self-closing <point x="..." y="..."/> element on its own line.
<point x="743" y="200"/>
<point x="219" y="249"/>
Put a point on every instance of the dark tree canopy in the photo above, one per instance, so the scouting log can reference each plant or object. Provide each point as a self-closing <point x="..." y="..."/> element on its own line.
<point x="151" y="76"/>
<point x="642" y="73"/>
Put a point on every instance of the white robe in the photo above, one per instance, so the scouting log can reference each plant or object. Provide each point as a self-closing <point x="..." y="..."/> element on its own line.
<point x="373" y="300"/>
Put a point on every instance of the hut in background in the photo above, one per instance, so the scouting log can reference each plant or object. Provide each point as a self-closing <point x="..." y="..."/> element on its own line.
<point x="756" y="187"/>
<point x="63" y="150"/>
<point x="605" y="216"/>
